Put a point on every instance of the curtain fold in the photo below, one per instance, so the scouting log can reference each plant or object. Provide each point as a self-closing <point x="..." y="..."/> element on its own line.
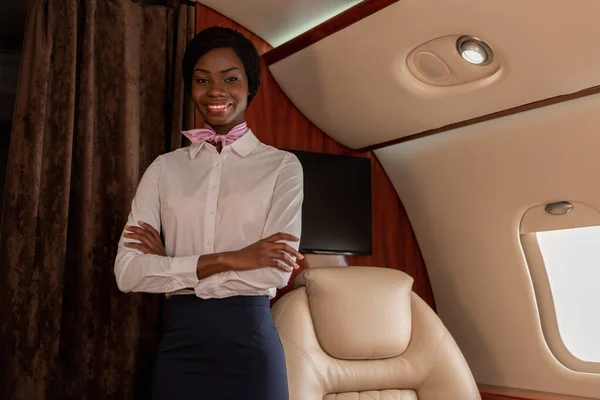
<point x="100" y="95"/>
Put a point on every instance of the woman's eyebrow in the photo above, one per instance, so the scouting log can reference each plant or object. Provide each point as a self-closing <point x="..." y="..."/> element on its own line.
<point x="223" y="71"/>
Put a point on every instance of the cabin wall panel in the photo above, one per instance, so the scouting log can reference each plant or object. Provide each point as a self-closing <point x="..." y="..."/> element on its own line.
<point x="466" y="192"/>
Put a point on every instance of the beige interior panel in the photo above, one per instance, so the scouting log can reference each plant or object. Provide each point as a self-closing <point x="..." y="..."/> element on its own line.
<point x="466" y="192"/>
<point x="355" y="84"/>
<point x="277" y="21"/>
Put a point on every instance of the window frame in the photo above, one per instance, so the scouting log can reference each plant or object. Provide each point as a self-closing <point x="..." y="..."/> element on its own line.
<point x="536" y="220"/>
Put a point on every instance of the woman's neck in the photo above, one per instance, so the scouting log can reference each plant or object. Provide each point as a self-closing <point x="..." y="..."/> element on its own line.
<point x="225" y="129"/>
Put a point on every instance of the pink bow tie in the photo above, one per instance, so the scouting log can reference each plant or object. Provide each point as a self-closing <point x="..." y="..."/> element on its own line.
<point x="208" y="134"/>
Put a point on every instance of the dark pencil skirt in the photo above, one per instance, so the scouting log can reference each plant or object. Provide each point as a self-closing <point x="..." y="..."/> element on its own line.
<point x="220" y="349"/>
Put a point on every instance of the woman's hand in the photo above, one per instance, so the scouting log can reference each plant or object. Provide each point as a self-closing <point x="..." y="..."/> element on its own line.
<point x="268" y="252"/>
<point x="149" y="238"/>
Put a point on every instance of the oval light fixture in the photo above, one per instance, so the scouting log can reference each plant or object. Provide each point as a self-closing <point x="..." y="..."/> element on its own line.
<point x="474" y="51"/>
<point x="560" y="208"/>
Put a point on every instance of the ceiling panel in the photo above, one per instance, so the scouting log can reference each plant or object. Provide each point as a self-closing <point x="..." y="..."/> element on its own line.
<point x="277" y="21"/>
<point x="354" y="84"/>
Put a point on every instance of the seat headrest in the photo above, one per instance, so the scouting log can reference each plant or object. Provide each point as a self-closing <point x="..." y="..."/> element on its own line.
<point x="359" y="312"/>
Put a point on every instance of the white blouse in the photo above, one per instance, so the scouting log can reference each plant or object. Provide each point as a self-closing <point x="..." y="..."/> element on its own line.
<point x="205" y="203"/>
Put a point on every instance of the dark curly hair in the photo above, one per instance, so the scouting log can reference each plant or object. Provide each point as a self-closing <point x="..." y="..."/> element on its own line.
<point x="217" y="37"/>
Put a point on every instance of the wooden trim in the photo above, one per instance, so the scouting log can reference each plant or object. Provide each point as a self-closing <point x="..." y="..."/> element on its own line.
<point x="345" y="19"/>
<point x="499" y="114"/>
<point x="489" y="392"/>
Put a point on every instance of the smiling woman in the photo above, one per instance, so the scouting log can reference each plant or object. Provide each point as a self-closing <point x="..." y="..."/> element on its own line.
<point x="229" y="209"/>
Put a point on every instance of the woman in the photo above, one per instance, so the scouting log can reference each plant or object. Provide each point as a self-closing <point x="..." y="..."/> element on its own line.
<point x="229" y="208"/>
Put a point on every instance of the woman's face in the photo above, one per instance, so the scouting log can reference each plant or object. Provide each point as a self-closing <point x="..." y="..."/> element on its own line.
<point x="220" y="89"/>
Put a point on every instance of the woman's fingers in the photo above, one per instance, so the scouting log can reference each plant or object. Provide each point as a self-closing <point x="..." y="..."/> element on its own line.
<point x="281" y="236"/>
<point x="289" y="261"/>
<point x="284" y="260"/>
<point x="275" y="244"/>
<point x="284" y="247"/>
<point x="139" y="231"/>
<point x="151" y="229"/>
<point x="142" y="235"/>
<point x="281" y="266"/>
<point x="139" y="246"/>
<point x="148" y="236"/>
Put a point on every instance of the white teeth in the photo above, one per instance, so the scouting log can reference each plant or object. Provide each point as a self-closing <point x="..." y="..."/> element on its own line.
<point x="219" y="108"/>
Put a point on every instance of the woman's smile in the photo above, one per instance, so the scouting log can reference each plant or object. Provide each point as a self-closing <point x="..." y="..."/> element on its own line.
<point x="219" y="108"/>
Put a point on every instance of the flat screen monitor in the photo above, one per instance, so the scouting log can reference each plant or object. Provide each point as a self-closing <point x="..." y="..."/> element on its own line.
<point x="336" y="213"/>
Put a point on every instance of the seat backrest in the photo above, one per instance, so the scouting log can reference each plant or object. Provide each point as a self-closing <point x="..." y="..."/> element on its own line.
<point x="354" y="333"/>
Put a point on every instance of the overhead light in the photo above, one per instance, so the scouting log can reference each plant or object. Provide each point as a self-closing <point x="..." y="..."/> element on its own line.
<point x="474" y="51"/>
<point x="560" y="208"/>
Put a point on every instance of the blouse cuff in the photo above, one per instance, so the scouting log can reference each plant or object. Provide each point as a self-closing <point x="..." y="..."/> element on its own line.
<point x="206" y="287"/>
<point x="184" y="270"/>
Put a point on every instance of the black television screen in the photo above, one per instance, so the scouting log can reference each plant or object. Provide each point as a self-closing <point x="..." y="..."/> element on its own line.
<point x="336" y="213"/>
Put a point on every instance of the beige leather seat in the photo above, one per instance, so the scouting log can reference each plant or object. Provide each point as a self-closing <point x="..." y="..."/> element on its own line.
<point x="354" y="333"/>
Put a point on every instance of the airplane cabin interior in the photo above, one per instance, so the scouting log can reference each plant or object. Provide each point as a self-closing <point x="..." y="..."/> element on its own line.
<point x="451" y="214"/>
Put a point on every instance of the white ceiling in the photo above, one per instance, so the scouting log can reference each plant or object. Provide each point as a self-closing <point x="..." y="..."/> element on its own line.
<point x="354" y="85"/>
<point x="277" y="21"/>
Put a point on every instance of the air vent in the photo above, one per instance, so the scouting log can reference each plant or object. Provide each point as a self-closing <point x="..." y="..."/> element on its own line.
<point x="431" y="66"/>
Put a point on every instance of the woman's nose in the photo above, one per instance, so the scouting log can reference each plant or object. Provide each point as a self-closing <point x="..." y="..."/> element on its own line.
<point x="216" y="90"/>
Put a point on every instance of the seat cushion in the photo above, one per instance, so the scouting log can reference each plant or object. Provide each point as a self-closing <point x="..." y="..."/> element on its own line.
<point x="360" y="313"/>
<point x="374" y="395"/>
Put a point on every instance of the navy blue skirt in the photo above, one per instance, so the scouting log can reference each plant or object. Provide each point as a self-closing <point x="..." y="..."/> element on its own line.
<point x="220" y="349"/>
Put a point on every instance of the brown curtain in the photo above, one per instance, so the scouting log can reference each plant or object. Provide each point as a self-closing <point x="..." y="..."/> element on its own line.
<point x="100" y="96"/>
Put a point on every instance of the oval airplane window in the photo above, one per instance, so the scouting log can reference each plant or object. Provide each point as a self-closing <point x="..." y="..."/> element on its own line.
<point x="563" y="254"/>
<point x="572" y="260"/>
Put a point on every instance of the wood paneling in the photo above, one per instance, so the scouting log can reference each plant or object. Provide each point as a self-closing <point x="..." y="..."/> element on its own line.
<point x="277" y="122"/>
<point x="327" y="28"/>
<point x="502" y="393"/>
